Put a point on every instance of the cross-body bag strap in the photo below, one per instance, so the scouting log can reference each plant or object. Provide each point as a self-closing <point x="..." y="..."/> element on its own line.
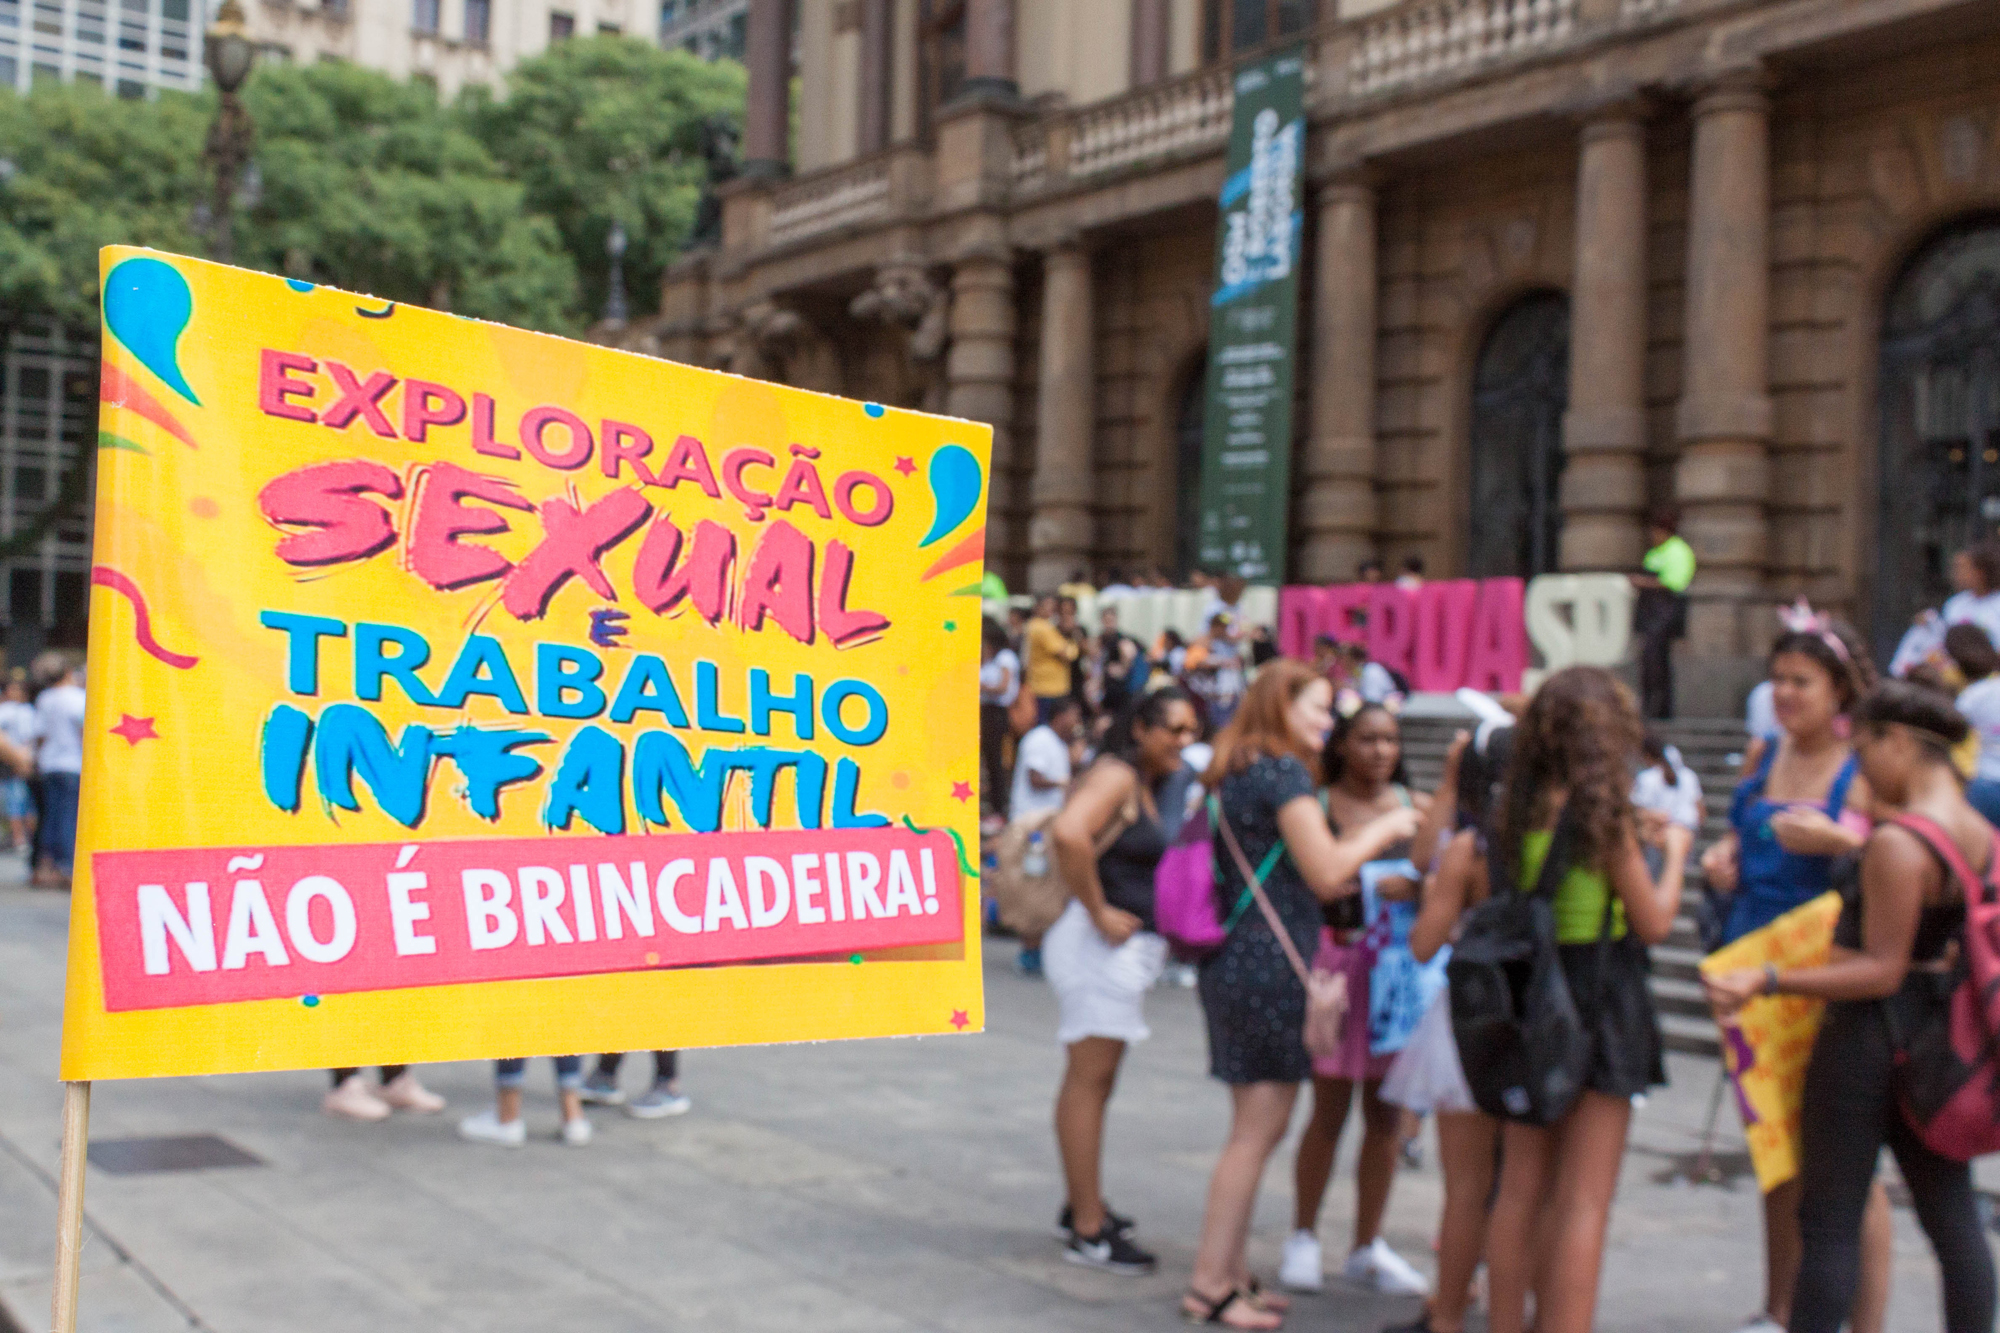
<point x="1255" y="881"/>
<point x="1245" y="898"/>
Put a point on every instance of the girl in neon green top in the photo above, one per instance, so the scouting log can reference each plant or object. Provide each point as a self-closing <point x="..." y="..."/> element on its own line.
<point x="1579" y="900"/>
<point x="1574" y="752"/>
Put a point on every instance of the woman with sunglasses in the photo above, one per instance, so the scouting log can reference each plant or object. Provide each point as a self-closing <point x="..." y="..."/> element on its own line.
<point x="1102" y="955"/>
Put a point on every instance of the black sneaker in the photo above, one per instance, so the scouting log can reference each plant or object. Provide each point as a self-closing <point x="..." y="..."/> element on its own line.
<point x="1109" y="1250"/>
<point x="1066" y="1222"/>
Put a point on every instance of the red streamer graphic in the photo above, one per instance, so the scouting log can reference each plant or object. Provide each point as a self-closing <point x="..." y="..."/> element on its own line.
<point x="107" y="577"/>
<point x="116" y="387"/>
<point x="971" y="549"/>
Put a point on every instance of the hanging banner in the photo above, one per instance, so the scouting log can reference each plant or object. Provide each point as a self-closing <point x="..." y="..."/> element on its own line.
<point x="461" y="692"/>
<point x="1767" y="1045"/>
<point x="1253" y="315"/>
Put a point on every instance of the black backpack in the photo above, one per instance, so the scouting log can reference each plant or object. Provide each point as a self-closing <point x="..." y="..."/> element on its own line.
<point x="1524" y="1047"/>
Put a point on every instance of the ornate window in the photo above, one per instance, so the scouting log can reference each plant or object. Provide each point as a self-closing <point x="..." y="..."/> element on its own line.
<point x="940" y="58"/>
<point x="1940" y="398"/>
<point x="1520" y="388"/>
<point x="1231" y="27"/>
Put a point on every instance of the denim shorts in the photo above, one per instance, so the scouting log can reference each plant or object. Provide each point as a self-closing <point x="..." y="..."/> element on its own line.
<point x="20" y="805"/>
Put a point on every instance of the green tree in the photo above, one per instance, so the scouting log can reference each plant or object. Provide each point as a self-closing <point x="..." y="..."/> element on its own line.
<point x="370" y="184"/>
<point x="78" y="171"/>
<point x="610" y="128"/>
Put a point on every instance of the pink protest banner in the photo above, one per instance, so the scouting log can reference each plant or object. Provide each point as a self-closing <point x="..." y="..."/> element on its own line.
<point x="1447" y="634"/>
<point x="216" y="925"/>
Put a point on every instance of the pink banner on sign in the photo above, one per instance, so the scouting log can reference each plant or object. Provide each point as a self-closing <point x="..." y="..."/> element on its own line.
<point x="1444" y="611"/>
<point x="1446" y="635"/>
<point x="220" y="924"/>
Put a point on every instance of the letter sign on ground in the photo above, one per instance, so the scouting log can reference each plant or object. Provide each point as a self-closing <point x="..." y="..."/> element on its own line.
<point x="458" y="691"/>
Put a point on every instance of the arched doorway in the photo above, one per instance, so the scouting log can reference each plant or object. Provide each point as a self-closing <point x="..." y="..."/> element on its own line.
<point x="1940" y="394"/>
<point x="1190" y="420"/>
<point x="1520" y="387"/>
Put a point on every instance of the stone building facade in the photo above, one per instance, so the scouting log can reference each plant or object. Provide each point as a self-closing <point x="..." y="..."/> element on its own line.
<point x="1565" y="259"/>
<point x="457" y="42"/>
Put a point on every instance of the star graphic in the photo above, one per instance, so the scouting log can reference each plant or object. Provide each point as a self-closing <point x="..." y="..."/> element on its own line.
<point x="961" y="791"/>
<point x="135" y="729"/>
<point x="905" y="464"/>
<point x="960" y="1020"/>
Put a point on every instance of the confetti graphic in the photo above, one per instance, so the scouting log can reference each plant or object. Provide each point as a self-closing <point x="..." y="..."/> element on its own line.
<point x="955" y="486"/>
<point x="106" y="577"/>
<point x="146" y="306"/>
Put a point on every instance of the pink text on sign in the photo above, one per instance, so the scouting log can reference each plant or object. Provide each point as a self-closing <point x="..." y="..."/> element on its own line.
<point x="222" y="924"/>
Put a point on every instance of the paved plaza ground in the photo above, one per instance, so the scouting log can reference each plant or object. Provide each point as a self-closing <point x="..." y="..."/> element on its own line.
<point x="876" y="1186"/>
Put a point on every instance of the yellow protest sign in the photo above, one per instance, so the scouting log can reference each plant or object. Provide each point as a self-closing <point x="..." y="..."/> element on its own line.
<point x="1768" y="1044"/>
<point x="459" y="692"/>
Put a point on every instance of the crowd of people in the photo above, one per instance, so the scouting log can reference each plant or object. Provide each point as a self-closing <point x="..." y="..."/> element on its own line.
<point x="1336" y="889"/>
<point x="41" y="755"/>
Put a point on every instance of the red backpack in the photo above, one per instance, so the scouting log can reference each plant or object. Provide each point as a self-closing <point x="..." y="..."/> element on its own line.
<point x="1948" y="1073"/>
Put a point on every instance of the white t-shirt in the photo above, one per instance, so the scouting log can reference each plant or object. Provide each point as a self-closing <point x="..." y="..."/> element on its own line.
<point x="19" y="724"/>
<point x="990" y="677"/>
<point x="1760" y="715"/>
<point x="1926" y="637"/>
<point x="1680" y="802"/>
<point x="1041" y="751"/>
<point x="1980" y="704"/>
<point x="59" y="713"/>
<point x="1376" y="683"/>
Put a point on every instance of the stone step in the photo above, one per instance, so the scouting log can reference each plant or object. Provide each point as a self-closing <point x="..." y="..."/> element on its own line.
<point x="1690" y="1036"/>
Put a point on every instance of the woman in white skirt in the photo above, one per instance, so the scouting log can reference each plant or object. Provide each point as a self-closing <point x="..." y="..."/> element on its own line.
<point x="1102" y="955"/>
<point x="1427" y="1077"/>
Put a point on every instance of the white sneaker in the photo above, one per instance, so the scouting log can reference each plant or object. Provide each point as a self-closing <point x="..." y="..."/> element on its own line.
<point x="355" y="1100"/>
<point x="404" y="1093"/>
<point x="1762" y="1323"/>
<point x="576" y="1133"/>
<point x="1378" y="1267"/>
<point x="1303" y="1268"/>
<point x="487" y="1127"/>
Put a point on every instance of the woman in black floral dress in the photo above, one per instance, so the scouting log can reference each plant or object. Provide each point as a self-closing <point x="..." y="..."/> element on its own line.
<point x="1265" y="776"/>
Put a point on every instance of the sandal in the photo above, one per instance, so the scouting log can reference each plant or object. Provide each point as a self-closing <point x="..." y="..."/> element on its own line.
<point x="1264" y="1298"/>
<point x="1217" y="1311"/>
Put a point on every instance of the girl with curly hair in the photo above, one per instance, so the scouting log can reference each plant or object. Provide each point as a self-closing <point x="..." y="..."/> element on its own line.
<point x="1573" y="758"/>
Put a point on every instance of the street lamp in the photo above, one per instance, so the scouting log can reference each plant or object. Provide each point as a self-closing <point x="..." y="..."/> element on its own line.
<point x="616" y="310"/>
<point x="229" y="56"/>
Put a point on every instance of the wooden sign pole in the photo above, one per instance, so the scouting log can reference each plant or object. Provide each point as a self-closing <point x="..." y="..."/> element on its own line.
<point x="69" y="1205"/>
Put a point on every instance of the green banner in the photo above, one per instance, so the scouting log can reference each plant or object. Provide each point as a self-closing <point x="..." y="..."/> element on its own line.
<point x="1247" y="438"/>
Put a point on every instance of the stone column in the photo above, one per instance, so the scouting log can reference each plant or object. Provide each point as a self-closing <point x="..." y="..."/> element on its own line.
<point x="1059" y="531"/>
<point x="1724" y="419"/>
<point x="1604" y="430"/>
<point x="767" y="50"/>
<point x="876" y="36"/>
<point x="979" y="380"/>
<point x="989" y="47"/>
<point x="1337" y="512"/>
<point x="1149" y="42"/>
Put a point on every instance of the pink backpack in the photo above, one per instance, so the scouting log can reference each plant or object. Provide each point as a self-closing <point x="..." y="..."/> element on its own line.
<point x="1185" y="909"/>
<point x="1948" y="1076"/>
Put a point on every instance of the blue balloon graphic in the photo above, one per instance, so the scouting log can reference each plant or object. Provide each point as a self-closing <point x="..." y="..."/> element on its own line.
<point x="955" y="484"/>
<point x="146" y="306"/>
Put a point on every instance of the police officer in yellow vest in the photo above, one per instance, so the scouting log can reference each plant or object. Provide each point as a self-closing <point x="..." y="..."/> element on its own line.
<point x="1661" y="614"/>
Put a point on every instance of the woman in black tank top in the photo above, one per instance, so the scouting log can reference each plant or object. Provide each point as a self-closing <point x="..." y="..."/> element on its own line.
<point x="1904" y="927"/>
<point x="1102" y="954"/>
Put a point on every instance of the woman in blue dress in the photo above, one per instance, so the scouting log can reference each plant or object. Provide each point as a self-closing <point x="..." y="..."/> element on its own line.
<point x="1803" y="807"/>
